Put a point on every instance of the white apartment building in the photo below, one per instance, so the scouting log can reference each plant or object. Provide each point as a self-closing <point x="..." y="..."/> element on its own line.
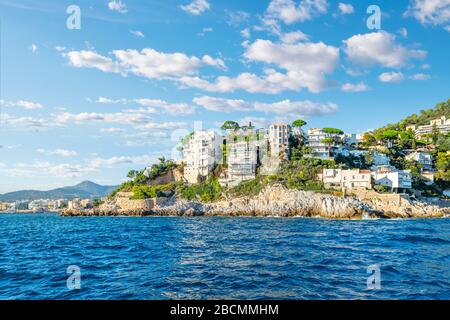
<point x="397" y="180"/>
<point x="242" y="158"/>
<point x="279" y="138"/>
<point x="346" y="179"/>
<point x="201" y="154"/>
<point x="442" y="125"/>
<point x="319" y="149"/>
<point x="423" y="158"/>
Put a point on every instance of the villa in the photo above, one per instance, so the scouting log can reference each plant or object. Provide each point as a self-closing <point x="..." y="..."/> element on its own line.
<point x="346" y="179"/>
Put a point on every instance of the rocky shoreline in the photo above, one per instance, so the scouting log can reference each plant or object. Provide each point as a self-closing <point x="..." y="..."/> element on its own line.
<point x="274" y="201"/>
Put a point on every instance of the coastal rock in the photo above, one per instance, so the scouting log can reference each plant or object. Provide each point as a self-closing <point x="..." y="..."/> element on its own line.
<point x="278" y="201"/>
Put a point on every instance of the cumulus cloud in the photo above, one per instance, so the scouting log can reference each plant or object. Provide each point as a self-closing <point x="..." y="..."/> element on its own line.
<point x="286" y="107"/>
<point x="118" y="5"/>
<point x="435" y="12"/>
<point x="91" y="59"/>
<point x="289" y="12"/>
<point x="306" y="65"/>
<point x="346" y="8"/>
<point x="354" y="87"/>
<point x="196" y="7"/>
<point x="147" y="63"/>
<point x="393" y="77"/>
<point x="293" y="37"/>
<point x="379" y="48"/>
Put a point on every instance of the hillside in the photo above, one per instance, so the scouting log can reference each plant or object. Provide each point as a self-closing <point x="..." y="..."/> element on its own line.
<point x="86" y="189"/>
<point x="423" y="117"/>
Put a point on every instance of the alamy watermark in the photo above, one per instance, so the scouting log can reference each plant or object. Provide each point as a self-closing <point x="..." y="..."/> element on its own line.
<point x="73" y="22"/>
<point x="374" y="280"/>
<point x="74" y="280"/>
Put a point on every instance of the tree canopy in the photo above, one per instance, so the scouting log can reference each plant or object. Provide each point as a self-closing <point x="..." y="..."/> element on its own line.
<point x="230" y="125"/>
<point x="333" y="131"/>
<point x="299" y="123"/>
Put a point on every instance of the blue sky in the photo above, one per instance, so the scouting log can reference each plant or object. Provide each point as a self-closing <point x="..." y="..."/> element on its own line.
<point x="114" y="95"/>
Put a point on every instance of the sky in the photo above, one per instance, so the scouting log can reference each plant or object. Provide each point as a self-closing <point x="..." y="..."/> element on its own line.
<point x="94" y="99"/>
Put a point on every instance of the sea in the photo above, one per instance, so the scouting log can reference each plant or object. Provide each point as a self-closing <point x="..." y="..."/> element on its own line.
<point x="45" y="256"/>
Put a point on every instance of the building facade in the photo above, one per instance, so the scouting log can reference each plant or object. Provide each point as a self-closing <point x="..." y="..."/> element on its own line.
<point x="442" y="125"/>
<point x="319" y="148"/>
<point x="346" y="179"/>
<point x="201" y="154"/>
<point x="279" y="138"/>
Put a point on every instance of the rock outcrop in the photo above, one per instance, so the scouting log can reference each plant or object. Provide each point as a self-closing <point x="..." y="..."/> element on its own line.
<point x="275" y="200"/>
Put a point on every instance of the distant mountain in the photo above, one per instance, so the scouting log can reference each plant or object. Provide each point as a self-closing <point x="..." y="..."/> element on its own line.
<point x="85" y="189"/>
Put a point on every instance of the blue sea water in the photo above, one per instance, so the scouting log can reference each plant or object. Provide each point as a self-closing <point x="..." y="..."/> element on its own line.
<point x="222" y="258"/>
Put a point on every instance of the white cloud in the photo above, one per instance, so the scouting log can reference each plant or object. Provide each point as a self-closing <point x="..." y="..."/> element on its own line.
<point x="425" y="66"/>
<point x="34" y="48"/>
<point x="118" y="5"/>
<point x="112" y="130"/>
<point x="33" y="123"/>
<point x="297" y="108"/>
<point x="436" y="12"/>
<point x="245" y="33"/>
<point x="393" y="77"/>
<point x="171" y="108"/>
<point x="91" y="59"/>
<point x="346" y="8"/>
<point x="236" y="18"/>
<point x="148" y="63"/>
<point x="196" y="7"/>
<point x="59" y="152"/>
<point x="293" y="37"/>
<point x="153" y="106"/>
<point x="137" y="33"/>
<point x="120" y="160"/>
<point x="22" y="104"/>
<point x="289" y="12"/>
<point x="379" y="48"/>
<point x="223" y="105"/>
<point x="119" y="117"/>
<point x="420" y="76"/>
<point x="286" y="107"/>
<point x="306" y="65"/>
<point x="358" y="87"/>
<point x="105" y="100"/>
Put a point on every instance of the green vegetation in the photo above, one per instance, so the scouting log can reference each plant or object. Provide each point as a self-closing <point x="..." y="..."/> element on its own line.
<point x="148" y="192"/>
<point x="333" y="131"/>
<point x="299" y="123"/>
<point x="300" y="172"/>
<point x="206" y="191"/>
<point x="230" y="125"/>
<point x="140" y="179"/>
